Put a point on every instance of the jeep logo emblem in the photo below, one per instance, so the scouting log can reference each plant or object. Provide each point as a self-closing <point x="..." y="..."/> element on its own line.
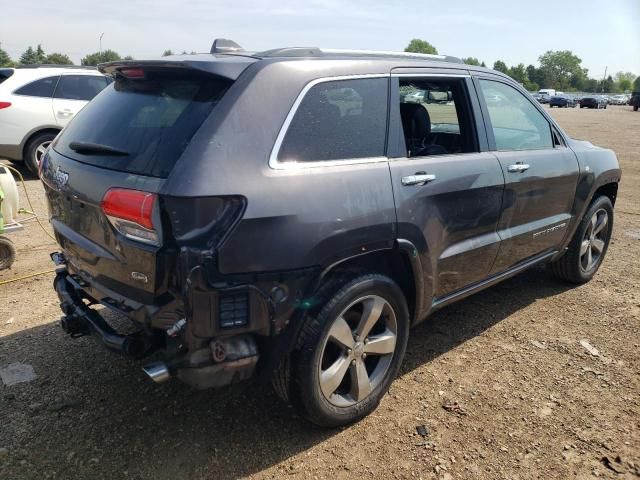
<point x="60" y="178"/>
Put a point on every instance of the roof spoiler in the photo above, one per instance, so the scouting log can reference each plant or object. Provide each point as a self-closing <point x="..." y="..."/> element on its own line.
<point x="223" y="45"/>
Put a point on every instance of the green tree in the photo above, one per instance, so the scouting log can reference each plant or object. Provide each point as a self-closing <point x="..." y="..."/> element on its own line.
<point x="483" y="64"/>
<point x="519" y="74"/>
<point x="57" y="59"/>
<point x="608" y="85"/>
<point x="100" y="57"/>
<point x="421" y="46"/>
<point x="128" y="57"/>
<point x="591" y="85"/>
<point x="471" y="61"/>
<point x="500" y="66"/>
<point x="29" y="56"/>
<point x="5" y="59"/>
<point x="167" y="52"/>
<point x="561" y="67"/>
<point x="624" y="80"/>
<point x="41" y="56"/>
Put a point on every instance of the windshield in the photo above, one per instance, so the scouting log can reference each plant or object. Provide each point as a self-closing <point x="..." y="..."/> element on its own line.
<point x="149" y="120"/>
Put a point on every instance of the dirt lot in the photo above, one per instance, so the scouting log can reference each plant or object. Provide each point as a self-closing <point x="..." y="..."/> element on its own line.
<point x="535" y="403"/>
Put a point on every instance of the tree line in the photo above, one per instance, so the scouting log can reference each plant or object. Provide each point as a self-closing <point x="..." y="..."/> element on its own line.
<point x="560" y="70"/>
<point x="34" y="56"/>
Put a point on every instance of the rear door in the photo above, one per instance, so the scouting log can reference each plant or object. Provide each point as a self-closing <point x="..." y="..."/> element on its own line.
<point x="540" y="171"/>
<point x="448" y="188"/>
<point x="73" y="92"/>
<point x="30" y="107"/>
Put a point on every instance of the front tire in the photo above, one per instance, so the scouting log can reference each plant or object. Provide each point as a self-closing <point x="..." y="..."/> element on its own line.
<point x="589" y="245"/>
<point x="35" y="150"/>
<point x="348" y="353"/>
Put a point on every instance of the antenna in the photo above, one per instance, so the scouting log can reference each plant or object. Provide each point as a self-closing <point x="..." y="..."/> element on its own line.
<point x="223" y="45"/>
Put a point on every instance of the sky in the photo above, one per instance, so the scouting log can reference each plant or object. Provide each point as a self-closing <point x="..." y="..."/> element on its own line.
<point x="604" y="34"/>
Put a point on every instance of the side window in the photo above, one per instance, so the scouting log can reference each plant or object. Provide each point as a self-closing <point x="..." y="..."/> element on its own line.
<point x="40" y="88"/>
<point x="436" y="117"/>
<point x="336" y="120"/>
<point x="80" y="87"/>
<point x="517" y="124"/>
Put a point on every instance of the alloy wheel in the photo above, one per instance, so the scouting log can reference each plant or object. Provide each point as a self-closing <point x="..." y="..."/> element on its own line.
<point x="357" y="351"/>
<point x="40" y="151"/>
<point x="594" y="239"/>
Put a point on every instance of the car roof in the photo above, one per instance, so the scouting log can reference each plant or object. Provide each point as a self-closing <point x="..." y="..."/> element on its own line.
<point x="24" y="74"/>
<point x="230" y="60"/>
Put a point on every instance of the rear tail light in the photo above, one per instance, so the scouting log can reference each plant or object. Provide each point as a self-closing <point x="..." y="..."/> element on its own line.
<point x="4" y="105"/>
<point x="131" y="213"/>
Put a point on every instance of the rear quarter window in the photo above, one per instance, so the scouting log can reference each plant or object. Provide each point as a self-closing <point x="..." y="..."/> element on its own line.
<point x="151" y="119"/>
<point x="338" y="120"/>
<point x="39" y="88"/>
<point x="5" y="73"/>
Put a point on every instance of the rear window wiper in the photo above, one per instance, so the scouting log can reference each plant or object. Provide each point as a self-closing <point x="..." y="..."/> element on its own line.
<point x="96" y="148"/>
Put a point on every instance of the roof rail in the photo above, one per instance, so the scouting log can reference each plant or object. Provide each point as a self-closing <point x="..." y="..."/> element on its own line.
<point x="291" y="52"/>
<point x="331" y="52"/>
<point x="53" y="65"/>
<point x="384" y="53"/>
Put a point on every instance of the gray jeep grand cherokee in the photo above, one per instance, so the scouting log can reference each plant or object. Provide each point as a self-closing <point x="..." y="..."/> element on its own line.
<point x="290" y="214"/>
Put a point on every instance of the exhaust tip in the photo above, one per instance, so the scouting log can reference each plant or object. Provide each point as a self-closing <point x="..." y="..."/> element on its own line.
<point x="157" y="371"/>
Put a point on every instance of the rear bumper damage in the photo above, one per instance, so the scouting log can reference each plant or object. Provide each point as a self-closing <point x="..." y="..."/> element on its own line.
<point x="201" y="362"/>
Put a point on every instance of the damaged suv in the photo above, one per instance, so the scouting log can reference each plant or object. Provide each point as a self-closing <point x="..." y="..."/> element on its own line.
<point x="290" y="214"/>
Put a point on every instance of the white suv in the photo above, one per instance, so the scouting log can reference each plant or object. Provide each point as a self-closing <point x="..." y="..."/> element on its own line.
<point x="36" y="102"/>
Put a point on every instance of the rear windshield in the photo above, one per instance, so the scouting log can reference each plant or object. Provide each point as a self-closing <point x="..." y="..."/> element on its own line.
<point x="5" y="73"/>
<point x="149" y="121"/>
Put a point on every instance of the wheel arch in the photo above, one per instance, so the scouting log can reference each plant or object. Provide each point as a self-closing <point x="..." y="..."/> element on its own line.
<point x="608" y="190"/>
<point x="400" y="263"/>
<point x="33" y="133"/>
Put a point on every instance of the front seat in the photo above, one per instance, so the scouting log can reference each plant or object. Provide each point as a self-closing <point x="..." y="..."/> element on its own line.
<point x="416" y="125"/>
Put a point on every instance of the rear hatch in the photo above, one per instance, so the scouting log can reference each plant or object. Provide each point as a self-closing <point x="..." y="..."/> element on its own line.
<point x="103" y="174"/>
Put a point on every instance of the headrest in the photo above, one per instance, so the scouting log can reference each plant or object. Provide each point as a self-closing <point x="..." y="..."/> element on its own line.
<point x="415" y="120"/>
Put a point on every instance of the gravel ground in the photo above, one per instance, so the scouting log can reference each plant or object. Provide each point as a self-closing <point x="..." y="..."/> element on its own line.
<point x="530" y="399"/>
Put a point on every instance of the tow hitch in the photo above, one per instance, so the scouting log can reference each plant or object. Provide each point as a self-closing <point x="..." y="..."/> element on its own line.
<point x="79" y="320"/>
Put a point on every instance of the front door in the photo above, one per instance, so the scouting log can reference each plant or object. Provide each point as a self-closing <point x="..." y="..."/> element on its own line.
<point x="448" y="193"/>
<point x="540" y="173"/>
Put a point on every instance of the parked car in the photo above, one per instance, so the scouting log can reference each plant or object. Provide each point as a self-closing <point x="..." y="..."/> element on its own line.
<point x="301" y="247"/>
<point x="562" y="101"/>
<point x="634" y="101"/>
<point x="549" y="92"/>
<point x="543" y="98"/>
<point x="618" y="100"/>
<point x="36" y="102"/>
<point x="594" y="101"/>
<point x="415" y="96"/>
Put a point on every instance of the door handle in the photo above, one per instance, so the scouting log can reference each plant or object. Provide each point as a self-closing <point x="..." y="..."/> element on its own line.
<point x="420" y="178"/>
<point x="65" y="112"/>
<point x="518" y="167"/>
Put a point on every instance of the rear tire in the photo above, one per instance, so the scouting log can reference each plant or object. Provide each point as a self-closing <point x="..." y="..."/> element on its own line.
<point x="635" y="108"/>
<point x="343" y="365"/>
<point x="7" y="253"/>
<point x="36" y="149"/>
<point x="589" y="245"/>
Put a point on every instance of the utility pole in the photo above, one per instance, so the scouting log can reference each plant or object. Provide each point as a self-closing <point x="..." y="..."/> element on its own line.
<point x="100" y="41"/>
<point x="604" y="78"/>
